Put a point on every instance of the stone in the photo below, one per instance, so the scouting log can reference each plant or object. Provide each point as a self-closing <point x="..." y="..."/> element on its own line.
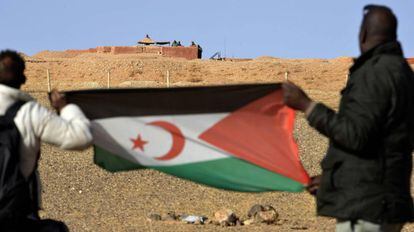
<point x="195" y="219"/>
<point x="154" y="217"/>
<point x="262" y="214"/>
<point x="180" y="217"/>
<point x="254" y="210"/>
<point x="225" y="215"/>
<point x="299" y="228"/>
<point x="269" y="216"/>
<point x="248" y="222"/>
<point x="198" y="222"/>
<point x="268" y="207"/>
<point x="224" y="224"/>
<point x="170" y="216"/>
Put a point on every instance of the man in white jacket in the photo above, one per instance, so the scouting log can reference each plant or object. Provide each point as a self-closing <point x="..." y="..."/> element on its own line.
<point x="36" y="124"/>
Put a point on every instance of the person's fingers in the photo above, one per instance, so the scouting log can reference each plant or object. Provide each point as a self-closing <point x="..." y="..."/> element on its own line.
<point x="312" y="188"/>
<point x="56" y="95"/>
<point x="53" y="95"/>
<point x="62" y="95"/>
<point x="312" y="191"/>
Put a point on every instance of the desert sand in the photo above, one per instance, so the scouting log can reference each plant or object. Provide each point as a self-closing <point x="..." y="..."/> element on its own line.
<point x="88" y="198"/>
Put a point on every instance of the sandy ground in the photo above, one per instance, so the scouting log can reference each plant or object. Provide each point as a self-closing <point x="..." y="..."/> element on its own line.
<point x="88" y="198"/>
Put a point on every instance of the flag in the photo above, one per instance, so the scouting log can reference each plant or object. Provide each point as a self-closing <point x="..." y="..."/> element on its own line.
<point x="230" y="137"/>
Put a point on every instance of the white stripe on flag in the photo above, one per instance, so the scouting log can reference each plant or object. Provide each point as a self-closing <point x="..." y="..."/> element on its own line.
<point x="159" y="141"/>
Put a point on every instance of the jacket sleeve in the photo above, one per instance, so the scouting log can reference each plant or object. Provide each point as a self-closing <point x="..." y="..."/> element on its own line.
<point x="364" y="107"/>
<point x="70" y="130"/>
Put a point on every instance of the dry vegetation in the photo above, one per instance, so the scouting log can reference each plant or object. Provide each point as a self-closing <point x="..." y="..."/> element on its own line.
<point x="88" y="198"/>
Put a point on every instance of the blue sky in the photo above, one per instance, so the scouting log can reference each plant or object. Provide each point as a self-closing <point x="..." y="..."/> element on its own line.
<point x="237" y="28"/>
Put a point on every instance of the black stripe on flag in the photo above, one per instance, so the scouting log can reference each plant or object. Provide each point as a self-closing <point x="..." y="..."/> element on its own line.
<point x="103" y="103"/>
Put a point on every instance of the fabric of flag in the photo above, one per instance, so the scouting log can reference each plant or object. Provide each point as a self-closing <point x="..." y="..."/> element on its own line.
<point x="230" y="137"/>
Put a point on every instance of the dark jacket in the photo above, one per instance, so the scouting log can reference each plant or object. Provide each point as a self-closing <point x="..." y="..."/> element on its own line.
<point x="367" y="169"/>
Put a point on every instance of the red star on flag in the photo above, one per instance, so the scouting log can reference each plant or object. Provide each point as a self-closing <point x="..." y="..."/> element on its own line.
<point x="138" y="143"/>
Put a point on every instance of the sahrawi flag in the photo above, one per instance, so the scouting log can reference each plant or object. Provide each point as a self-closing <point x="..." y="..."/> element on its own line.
<point x="229" y="137"/>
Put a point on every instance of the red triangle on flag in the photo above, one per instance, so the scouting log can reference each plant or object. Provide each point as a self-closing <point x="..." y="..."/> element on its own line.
<point x="261" y="133"/>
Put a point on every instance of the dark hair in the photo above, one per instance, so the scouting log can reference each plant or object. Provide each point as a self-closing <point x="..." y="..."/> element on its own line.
<point x="12" y="73"/>
<point x="13" y="55"/>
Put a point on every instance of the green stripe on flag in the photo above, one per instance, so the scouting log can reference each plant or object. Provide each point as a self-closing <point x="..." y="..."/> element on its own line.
<point x="111" y="162"/>
<point x="228" y="173"/>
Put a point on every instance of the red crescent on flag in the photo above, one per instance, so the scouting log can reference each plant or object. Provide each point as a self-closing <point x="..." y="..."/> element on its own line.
<point x="177" y="139"/>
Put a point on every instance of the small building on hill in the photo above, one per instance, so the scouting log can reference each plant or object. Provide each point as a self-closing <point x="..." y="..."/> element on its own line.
<point x="149" y="46"/>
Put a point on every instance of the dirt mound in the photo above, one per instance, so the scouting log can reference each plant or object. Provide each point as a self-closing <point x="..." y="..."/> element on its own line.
<point x="344" y="59"/>
<point x="266" y="58"/>
<point x="54" y="54"/>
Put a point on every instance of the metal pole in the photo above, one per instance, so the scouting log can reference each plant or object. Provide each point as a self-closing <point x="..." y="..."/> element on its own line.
<point x="168" y="78"/>
<point x="48" y="81"/>
<point x="108" y="80"/>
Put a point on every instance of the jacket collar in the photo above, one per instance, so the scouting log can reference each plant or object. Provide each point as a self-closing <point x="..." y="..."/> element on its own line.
<point x="393" y="48"/>
<point x="14" y="94"/>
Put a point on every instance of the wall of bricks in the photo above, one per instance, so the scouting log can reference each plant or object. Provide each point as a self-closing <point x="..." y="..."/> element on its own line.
<point x="188" y="53"/>
<point x="180" y="52"/>
<point x="103" y="49"/>
<point x="410" y="60"/>
<point x="140" y="49"/>
<point x="152" y="49"/>
<point x="123" y="50"/>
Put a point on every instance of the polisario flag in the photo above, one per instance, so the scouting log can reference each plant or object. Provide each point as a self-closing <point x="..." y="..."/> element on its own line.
<point x="235" y="137"/>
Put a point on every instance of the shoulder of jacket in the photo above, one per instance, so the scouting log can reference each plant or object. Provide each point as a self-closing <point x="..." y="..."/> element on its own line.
<point x="32" y="107"/>
<point x="385" y="70"/>
<point x="374" y="70"/>
<point x="385" y="61"/>
<point x="31" y="104"/>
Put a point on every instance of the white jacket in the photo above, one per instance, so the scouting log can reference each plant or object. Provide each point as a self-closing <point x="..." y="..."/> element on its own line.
<point x="70" y="130"/>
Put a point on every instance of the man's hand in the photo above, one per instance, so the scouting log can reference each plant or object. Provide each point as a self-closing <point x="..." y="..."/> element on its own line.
<point x="314" y="184"/>
<point x="57" y="100"/>
<point x="295" y="97"/>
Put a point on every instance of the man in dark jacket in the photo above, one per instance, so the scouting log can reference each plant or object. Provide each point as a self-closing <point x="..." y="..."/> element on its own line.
<point x="365" y="181"/>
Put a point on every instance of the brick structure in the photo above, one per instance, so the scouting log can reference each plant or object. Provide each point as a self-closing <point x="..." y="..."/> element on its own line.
<point x="152" y="50"/>
<point x="103" y="49"/>
<point x="123" y="50"/>
<point x="410" y="60"/>
<point x="188" y="53"/>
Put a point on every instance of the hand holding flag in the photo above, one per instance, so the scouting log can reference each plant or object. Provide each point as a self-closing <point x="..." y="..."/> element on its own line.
<point x="295" y="97"/>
